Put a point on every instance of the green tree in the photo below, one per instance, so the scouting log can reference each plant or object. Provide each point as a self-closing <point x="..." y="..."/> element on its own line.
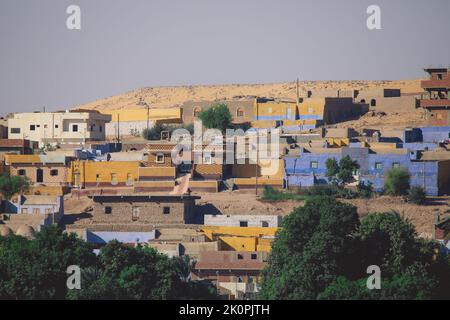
<point x="342" y="172"/>
<point x="140" y="273"/>
<point x="36" y="269"/>
<point x="310" y="251"/>
<point x="417" y="195"/>
<point x="11" y="185"/>
<point x="218" y="116"/>
<point x="323" y="252"/>
<point x="396" y="182"/>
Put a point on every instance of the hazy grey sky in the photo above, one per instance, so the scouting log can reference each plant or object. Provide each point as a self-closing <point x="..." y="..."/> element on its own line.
<point x="127" y="44"/>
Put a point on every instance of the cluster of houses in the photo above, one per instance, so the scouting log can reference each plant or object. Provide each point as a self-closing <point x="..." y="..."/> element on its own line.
<point x="140" y="195"/>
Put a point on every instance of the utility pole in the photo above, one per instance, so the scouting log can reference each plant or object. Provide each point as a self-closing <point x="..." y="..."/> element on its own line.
<point x="256" y="166"/>
<point x="118" y="129"/>
<point x="148" y="116"/>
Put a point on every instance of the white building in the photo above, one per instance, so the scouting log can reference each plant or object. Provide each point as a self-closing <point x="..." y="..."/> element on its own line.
<point x="77" y="126"/>
<point x="222" y="220"/>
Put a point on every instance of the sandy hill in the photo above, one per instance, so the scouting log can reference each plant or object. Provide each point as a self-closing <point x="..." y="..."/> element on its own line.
<point x="163" y="97"/>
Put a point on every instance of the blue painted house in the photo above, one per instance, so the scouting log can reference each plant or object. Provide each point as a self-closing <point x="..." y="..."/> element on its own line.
<point x="308" y="167"/>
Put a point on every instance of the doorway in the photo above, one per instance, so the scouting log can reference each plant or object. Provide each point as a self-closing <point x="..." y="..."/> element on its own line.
<point x="39" y="176"/>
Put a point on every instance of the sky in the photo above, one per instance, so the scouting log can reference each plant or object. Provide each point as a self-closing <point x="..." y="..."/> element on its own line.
<point x="128" y="44"/>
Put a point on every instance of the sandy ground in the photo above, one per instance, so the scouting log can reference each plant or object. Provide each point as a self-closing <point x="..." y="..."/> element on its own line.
<point x="163" y="97"/>
<point x="242" y="202"/>
<point x="388" y="120"/>
<point x="246" y="202"/>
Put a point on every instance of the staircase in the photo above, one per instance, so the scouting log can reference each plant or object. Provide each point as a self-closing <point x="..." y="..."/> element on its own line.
<point x="182" y="185"/>
<point x="228" y="184"/>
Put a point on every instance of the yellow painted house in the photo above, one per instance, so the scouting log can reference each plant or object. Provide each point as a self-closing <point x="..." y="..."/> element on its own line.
<point x="242" y="239"/>
<point x="84" y="173"/>
<point x="305" y="114"/>
<point x="165" y="115"/>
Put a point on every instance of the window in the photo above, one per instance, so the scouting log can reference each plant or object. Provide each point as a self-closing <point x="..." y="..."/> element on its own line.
<point x="240" y="256"/>
<point x="15" y="130"/>
<point x="243" y="223"/>
<point x="56" y="126"/>
<point x="240" y="112"/>
<point x="439" y="76"/>
<point x="159" y="158"/>
<point x="313" y="164"/>
<point x="197" y="111"/>
<point x="21" y="172"/>
<point x="269" y="110"/>
<point x="254" y="256"/>
<point x="129" y="179"/>
<point x="54" y="172"/>
<point x="24" y="210"/>
<point x="395" y="165"/>
<point x="32" y="127"/>
<point x="373" y="103"/>
<point x="108" y="210"/>
<point x="97" y="178"/>
<point x="166" y="210"/>
<point x="264" y="224"/>
<point x="378" y="165"/>
<point x="100" y="128"/>
<point x="135" y="213"/>
<point x="207" y="159"/>
<point x="310" y="110"/>
<point x="75" y="128"/>
<point x="36" y="211"/>
<point x="45" y="126"/>
<point x="113" y="178"/>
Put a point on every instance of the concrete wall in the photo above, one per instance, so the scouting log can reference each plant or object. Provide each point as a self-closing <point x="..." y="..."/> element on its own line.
<point x="126" y="128"/>
<point x="235" y="220"/>
<point x="58" y="126"/>
<point x="143" y="209"/>
<point x="373" y="168"/>
<point x="244" y="106"/>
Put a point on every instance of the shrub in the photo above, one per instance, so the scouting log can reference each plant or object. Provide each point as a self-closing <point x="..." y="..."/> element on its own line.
<point x="332" y="191"/>
<point x="365" y="190"/>
<point x="417" y="195"/>
<point x="396" y="182"/>
<point x="154" y="133"/>
<point x="270" y="194"/>
<point x="216" y="117"/>
<point x="342" y="172"/>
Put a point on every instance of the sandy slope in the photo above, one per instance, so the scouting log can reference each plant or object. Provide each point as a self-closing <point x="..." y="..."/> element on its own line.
<point x="158" y="97"/>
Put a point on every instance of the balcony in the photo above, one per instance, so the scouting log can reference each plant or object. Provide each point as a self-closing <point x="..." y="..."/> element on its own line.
<point x="435" y="84"/>
<point x="438" y="103"/>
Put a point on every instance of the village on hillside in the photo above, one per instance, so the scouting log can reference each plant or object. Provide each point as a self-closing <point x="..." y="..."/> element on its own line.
<point x="109" y="169"/>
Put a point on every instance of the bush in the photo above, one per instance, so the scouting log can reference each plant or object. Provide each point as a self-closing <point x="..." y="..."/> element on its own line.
<point x="270" y="194"/>
<point x="396" y="182"/>
<point x="154" y="133"/>
<point x="332" y="191"/>
<point x="10" y="185"/>
<point x="365" y="190"/>
<point x="216" y="117"/>
<point x="417" y="195"/>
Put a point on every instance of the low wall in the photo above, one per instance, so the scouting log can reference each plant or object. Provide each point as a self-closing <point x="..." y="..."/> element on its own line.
<point x="204" y="186"/>
<point x="149" y="186"/>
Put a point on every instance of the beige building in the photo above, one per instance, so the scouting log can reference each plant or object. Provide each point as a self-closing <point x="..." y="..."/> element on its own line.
<point x="77" y="126"/>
